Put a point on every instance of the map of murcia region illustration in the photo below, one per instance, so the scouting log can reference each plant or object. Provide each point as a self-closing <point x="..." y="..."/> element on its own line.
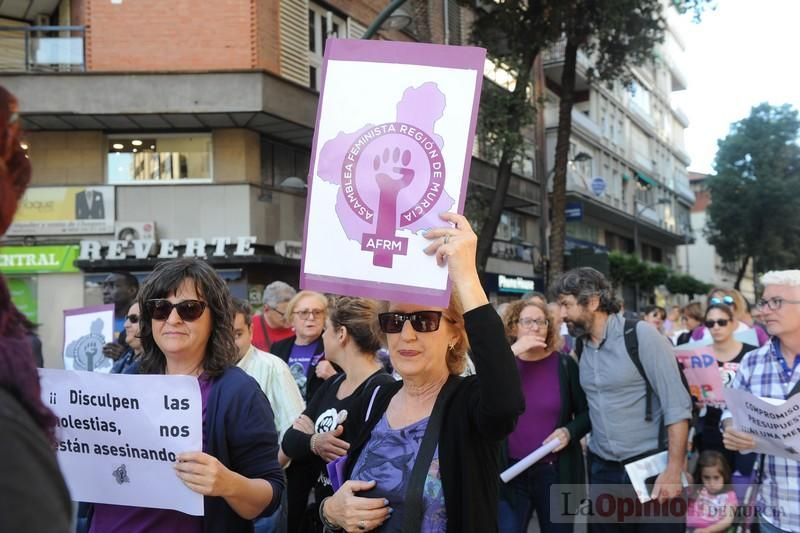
<point x="391" y="176"/>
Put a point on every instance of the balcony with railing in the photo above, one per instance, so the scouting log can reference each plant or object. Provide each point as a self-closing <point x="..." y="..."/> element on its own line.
<point x="42" y="49"/>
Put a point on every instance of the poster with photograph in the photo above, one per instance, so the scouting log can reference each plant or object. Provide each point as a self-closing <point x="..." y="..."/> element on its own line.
<point x="392" y="150"/>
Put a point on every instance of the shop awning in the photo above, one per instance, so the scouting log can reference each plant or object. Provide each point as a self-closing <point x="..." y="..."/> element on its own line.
<point x="644" y="178"/>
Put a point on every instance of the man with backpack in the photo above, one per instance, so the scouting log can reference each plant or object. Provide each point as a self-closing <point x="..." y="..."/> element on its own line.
<point x="638" y="402"/>
<point x="771" y="372"/>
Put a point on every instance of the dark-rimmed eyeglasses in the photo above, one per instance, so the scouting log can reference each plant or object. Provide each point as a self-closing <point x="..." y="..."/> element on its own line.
<point x="775" y="303"/>
<point x="421" y="321"/>
<point x="727" y="300"/>
<point x="133" y="319"/>
<point x="188" y="310"/>
<point x="722" y="322"/>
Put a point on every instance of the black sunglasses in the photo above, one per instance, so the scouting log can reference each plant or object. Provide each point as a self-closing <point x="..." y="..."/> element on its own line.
<point x="722" y="322"/>
<point x="421" y="321"/>
<point x="133" y="319"/>
<point x="188" y="310"/>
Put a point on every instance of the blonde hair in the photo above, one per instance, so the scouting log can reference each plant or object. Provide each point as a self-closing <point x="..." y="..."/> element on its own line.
<point x="323" y="301"/>
<point x="511" y="318"/>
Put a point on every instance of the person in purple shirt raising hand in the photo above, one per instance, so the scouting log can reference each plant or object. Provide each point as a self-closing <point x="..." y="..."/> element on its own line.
<point x="555" y="408"/>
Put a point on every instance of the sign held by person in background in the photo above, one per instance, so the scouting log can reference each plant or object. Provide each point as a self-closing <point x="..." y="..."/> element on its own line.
<point x="392" y="150"/>
<point x="703" y="374"/>
<point x="774" y="423"/>
<point x="118" y="436"/>
<point x="86" y="331"/>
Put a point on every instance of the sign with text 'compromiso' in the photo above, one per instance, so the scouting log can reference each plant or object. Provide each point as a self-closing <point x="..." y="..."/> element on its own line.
<point x="774" y="423"/>
<point x="119" y="435"/>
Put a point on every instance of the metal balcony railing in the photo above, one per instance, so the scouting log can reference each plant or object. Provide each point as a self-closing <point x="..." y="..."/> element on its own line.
<point x="42" y="48"/>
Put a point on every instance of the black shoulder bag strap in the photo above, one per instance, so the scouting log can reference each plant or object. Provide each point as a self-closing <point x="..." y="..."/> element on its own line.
<point x="413" y="509"/>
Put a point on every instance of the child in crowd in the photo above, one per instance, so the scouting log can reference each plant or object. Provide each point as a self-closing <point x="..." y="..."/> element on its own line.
<point x="712" y="507"/>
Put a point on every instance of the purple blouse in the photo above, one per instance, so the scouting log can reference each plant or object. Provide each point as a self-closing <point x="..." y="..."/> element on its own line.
<point x="388" y="458"/>
<point x="127" y="519"/>
<point x="542" y="391"/>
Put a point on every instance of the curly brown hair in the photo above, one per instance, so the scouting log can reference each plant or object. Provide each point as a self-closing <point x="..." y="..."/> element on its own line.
<point x="166" y="278"/>
<point x="511" y="318"/>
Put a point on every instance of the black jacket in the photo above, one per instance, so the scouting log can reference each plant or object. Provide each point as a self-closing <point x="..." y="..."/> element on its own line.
<point x="284" y="348"/>
<point x="480" y="413"/>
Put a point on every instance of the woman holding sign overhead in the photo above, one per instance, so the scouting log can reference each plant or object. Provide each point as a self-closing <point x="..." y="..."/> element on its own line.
<point x="425" y="458"/>
<point x="555" y="408"/>
<point x="187" y="329"/>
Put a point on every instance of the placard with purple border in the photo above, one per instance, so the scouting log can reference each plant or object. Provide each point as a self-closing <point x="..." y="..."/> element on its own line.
<point x="392" y="149"/>
<point x="86" y="331"/>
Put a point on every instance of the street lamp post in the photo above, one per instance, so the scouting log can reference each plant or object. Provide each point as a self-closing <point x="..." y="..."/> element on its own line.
<point x="636" y="245"/>
<point x="384" y="15"/>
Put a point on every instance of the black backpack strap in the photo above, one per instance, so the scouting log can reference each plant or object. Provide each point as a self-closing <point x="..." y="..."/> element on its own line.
<point x="413" y="510"/>
<point x="632" y="346"/>
<point x="578" y="347"/>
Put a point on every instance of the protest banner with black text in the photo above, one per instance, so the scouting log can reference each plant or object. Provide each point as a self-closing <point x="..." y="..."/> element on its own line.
<point x="118" y="436"/>
<point x="774" y="423"/>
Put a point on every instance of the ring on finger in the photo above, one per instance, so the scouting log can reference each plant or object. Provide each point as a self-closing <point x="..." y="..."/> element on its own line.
<point x="362" y="525"/>
<point x="446" y="238"/>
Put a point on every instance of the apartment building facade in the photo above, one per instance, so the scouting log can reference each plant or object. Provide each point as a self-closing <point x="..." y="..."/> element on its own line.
<point x="700" y="258"/>
<point x="191" y="123"/>
<point x="628" y="163"/>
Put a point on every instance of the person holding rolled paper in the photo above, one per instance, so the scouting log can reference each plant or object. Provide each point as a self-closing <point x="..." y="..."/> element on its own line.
<point x="426" y="456"/>
<point x="555" y="409"/>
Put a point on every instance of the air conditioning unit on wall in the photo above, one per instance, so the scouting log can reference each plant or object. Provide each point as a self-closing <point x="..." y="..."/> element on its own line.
<point x="133" y="231"/>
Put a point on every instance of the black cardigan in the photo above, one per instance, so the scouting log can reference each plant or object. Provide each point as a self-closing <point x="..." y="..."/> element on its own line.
<point x="283" y="349"/>
<point x="481" y="412"/>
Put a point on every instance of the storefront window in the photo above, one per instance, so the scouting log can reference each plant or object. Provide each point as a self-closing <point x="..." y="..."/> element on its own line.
<point x="158" y="158"/>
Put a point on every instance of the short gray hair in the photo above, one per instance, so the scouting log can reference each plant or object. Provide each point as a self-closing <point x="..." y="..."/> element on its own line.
<point x="277" y="292"/>
<point x="790" y="278"/>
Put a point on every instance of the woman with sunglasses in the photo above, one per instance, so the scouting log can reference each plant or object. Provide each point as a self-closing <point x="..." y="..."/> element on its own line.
<point x="134" y="351"/>
<point x="733" y="299"/>
<point x="555" y="408"/>
<point x="321" y="434"/>
<point x="186" y="328"/>
<point x="33" y="496"/>
<point x="721" y="323"/>
<point x="424" y="458"/>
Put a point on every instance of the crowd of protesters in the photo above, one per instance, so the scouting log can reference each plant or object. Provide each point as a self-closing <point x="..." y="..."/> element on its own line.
<point x="298" y="392"/>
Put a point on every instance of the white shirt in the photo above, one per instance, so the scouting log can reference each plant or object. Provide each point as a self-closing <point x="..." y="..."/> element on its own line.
<point x="275" y="379"/>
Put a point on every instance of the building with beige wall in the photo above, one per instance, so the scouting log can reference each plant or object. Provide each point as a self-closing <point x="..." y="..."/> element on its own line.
<point x="194" y="117"/>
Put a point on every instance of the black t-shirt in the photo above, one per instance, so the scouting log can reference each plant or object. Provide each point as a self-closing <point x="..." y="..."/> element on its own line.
<point x="324" y="410"/>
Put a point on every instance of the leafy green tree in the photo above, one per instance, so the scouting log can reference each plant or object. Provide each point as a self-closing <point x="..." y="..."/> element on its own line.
<point x="753" y="214"/>
<point x="513" y="32"/>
